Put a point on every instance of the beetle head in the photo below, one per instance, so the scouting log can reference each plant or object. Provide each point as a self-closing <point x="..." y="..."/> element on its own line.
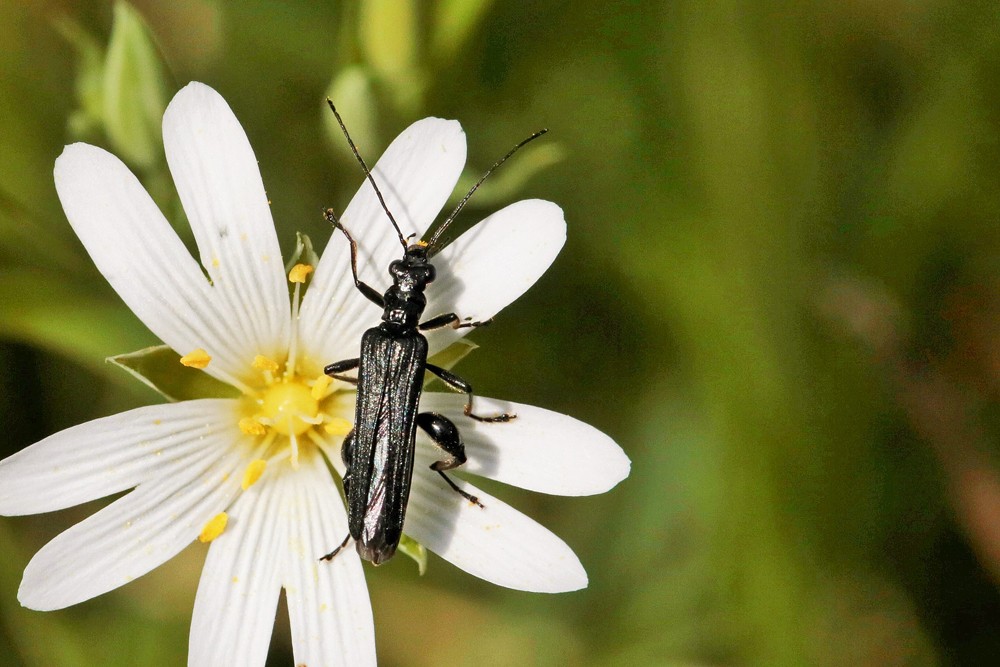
<point x="414" y="271"/>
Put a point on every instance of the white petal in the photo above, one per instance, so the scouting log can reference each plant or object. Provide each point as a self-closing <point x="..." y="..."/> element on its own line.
<point x="137" y="532"/>
<point x="108" y="455"/>
<point x="331" y="444"/>
<point x="496" y="543"/>
<point x="416" y="175"/>
<point x="218" y="180"/>
<point x="238" y="593"/>
<point x="492" y="264"/>
<point x="142" y="258"/>
<point x="328" y="603"/>
<point x="540" y="450"/>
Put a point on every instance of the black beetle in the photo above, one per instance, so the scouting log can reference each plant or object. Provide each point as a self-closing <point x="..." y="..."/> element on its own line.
<point x="378" y="452"/>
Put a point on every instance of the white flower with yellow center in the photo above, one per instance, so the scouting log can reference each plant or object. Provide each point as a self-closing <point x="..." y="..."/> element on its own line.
<point x="250" y="474"/>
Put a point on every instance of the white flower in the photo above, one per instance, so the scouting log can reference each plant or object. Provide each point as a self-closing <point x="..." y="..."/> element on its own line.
<point x="249" y="474"/>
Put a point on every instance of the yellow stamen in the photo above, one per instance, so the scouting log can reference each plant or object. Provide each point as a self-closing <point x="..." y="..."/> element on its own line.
<point x="250" y="426"/>
<point x="215" y="527"/>
<point x="262" y="363"/>
<point x="320" y="386"/>
<point x="299" y="272"/>
<point x="421" y="243"/>
<point x="338" y="426"/>
<point x="253" y="473"/>
<point x="197" y="359"/>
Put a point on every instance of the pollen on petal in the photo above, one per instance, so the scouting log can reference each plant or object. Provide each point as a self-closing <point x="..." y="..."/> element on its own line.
<point x="262" y="363"/>
<point x="299" y="272"/>
<point x="250" y="426"/>
<point x="320" y="386"/>
<point x="253" y="472"/>
<point x="338" y="426"/>
<point x="215" y="527"/>
<point x="196" y="359"/>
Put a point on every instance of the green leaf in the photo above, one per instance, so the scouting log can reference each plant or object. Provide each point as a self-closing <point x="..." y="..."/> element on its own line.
<point x="160" y="368"/>
<point x="44" y="309"/>
<point x="130" y="633"/>
<point x="30" y="241"/>
<point x="450" y="356"/>
<point x="411" y="548"/>
<point x="134" y="89"/>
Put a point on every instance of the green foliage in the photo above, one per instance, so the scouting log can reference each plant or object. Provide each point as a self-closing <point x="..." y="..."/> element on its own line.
<point x="779" y="294"/>
<point x="134" y="91"/>
<point x="451" y="355"/>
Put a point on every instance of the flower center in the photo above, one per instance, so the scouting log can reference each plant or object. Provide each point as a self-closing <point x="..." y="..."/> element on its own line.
<point x="290" y="407"/>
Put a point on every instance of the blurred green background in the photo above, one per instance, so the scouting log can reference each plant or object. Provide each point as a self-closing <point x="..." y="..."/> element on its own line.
<point x="780" y="295"/>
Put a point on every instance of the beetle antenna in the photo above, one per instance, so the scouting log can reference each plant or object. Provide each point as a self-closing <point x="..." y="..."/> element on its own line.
<point x="465" y="199"/>
<point x="368" y="173"/>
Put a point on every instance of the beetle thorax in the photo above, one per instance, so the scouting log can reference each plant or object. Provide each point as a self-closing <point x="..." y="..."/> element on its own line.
<point x="405" y="300"/>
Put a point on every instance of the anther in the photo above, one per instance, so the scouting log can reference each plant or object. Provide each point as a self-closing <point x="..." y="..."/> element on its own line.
<point x="215" y="527"/>
<point x="262" y="363"/>
<point x="251" y="426"/>
<point x="253" y="473"/>
<point x="299" y="272"/>
<point x="338" y="426"/>
<point x="196" y="359"/>
<point x="320" y="387"/>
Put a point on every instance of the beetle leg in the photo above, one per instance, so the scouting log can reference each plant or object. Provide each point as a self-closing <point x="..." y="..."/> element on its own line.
<point x="336" y="551"/>
<point x="336" y="369"/>
<point x="370" y="292"/>
<point x="450" y="319"/>
<point x="347" y="455"/>
<point x="445" y="435"/>
<point x="458" y="384"/>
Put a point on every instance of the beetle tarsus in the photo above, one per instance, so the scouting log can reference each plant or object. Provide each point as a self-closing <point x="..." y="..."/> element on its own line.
<point x="468" y="496"/>
<point x="501" y="418"/>
<point x="333" y="554"/>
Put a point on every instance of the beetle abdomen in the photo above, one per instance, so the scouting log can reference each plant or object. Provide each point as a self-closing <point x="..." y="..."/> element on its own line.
<point x="390" y="380"/>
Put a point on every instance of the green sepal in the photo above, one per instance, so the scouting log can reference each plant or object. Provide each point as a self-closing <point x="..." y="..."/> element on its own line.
<point x="412" y="549"/>
<point x="303" y="253"/>
<point x="160" y="368"/>
<point x="134" y="88"/>
<point x="449" y="357"/>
